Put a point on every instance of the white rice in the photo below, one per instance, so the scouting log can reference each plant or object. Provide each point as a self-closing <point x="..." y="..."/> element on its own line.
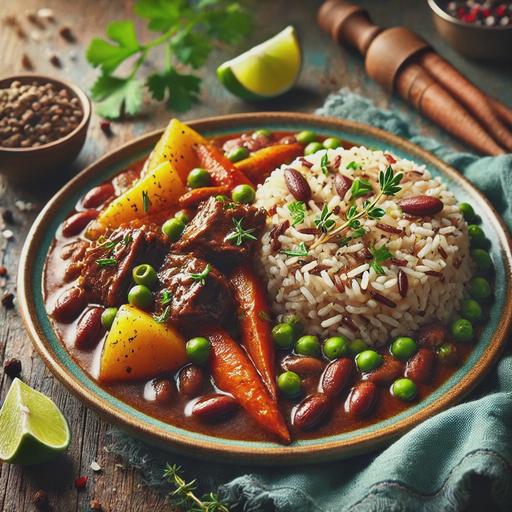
<point x="309" y="286"/>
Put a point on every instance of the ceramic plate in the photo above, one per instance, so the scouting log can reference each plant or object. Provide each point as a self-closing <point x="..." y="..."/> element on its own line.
<point x="481" y="359"/>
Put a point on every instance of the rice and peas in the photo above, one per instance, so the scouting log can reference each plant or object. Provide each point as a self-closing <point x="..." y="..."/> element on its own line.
<point x="342" y="286"/>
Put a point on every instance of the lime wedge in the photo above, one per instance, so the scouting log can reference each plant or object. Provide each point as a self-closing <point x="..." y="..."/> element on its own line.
<point x="32" y="429"/>
<point x="265" y="71"/>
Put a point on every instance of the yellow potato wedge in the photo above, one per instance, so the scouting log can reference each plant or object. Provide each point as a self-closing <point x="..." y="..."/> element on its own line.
<point x="138" y="347"/>
<point x="176" y="146"/>
<point x="162" y="188"/>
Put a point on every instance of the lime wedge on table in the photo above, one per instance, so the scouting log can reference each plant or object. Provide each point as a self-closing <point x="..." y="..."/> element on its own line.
<point x="32" y="429"/>
<point x="265" y="71"/>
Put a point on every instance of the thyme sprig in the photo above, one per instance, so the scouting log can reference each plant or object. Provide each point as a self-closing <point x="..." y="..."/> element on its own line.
<point x="184" y="495"/>
<point x="240" y="234"/>
<point x="389" y="183"/>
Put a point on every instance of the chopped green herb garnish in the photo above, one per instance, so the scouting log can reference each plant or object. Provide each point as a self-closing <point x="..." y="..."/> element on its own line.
<point x="360" y="188"/>
<point x="324" y="223"/>
<point x="164" y="316"/>
<point x="240" y="235"/>
<point x="166" y="297"/>
<point x="146" y="203"/>
<point x="354" y="166"/>
<point x="324" y="164"/>
<point x="106" y="262"/>
<point x="379" y="256"/>
<point x="128" y="239"/>
<point x="297" y="211"/>
<point x="299" y="251"/>
<point x="201" y="276"/>
<point x="389" y="182"/>
<point x="109" y="244"/>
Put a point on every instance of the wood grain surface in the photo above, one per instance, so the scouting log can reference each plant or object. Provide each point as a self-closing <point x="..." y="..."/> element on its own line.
<point x="326" y="68"/>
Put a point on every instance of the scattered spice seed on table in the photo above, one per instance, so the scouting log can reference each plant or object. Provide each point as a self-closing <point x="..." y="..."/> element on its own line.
<point x="95" y="506"/>
<point x="8" y="300"/>
<point x="8" y="217"/>
<point x="12" y="367"/>
<point x="3" y="271"/>
<point x="40" y="500"/>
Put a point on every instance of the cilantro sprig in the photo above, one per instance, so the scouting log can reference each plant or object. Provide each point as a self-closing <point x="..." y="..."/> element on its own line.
<point x="188" y="31"/>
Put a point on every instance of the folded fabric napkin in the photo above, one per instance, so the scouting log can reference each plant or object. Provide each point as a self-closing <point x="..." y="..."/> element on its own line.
<point x="428" y="469"/>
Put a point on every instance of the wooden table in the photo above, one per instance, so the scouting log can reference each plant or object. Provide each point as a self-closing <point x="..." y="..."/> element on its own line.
<point x="326" y="69"/>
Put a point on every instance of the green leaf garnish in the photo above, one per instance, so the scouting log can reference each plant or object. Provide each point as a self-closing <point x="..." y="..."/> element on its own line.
<point x="297" y="210"/>
<point x="324" y="164"/>
<point x="240" y="235"/>
<point x="299" y="251"/>
<point x="324" y="223"/>
<point x="106" y="262"/>
<point x="164" y="316"/>
<point x="379" y="256"/>
<point x="360" y="188"/>
<point x="201" y="276"/>
<point x="389" y="182"/>
<point x="166" y="297"/>
<point x="354" y="166"/>
<point x="113" y="96"/>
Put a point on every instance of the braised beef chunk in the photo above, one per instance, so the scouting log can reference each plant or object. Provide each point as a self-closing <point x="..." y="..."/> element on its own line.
<point x="106" y="266"/>
<point x="191" y="291"/>
<point x="222" y="230"/>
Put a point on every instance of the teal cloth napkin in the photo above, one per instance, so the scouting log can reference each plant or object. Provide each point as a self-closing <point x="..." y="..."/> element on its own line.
<point x="430" y="468"/>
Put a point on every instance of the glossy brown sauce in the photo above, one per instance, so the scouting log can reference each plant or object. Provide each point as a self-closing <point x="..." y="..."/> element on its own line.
<point x="239" y="425"/>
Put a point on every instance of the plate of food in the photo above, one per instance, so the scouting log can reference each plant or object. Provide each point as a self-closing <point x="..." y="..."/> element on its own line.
<point x="275" y="286"/>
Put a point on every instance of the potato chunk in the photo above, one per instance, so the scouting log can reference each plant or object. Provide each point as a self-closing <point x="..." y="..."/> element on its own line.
<point x="158" y="190"/>
<point x="138" y="347"/>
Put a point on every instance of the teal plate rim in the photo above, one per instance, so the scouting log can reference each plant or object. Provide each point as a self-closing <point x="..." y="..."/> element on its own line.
<point x="63" y="366"/>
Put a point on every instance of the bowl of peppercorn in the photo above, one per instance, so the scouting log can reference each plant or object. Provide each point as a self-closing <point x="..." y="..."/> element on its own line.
<point x="43" y="126"/>
<point x="480" y="29"/>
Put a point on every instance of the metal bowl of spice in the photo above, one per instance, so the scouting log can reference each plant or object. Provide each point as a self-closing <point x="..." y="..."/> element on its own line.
<point x="480" y="29"/>
<point x="43" y="126"/>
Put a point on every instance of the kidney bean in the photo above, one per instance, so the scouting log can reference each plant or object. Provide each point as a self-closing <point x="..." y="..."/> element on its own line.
<point x="214" y="407"/>
<point x="432" y="335"/>
<point x="304" y="366"/>
<point x="362" y="399"/>
<point x="421" y="366"/>
<point x="342" y="184"/>
<point x="69" y="305"/>
<point x="89" y="329"/>
<point x="336" y="376"/>
<point x="75" y="224"/>
<point x="190" y="381"/>
<point x="386" y="373"/>
<point x="311" y="411"/>
<point x="297" y="185"/>
<point x="159" y="391"/>
<point x="98" y="195"/>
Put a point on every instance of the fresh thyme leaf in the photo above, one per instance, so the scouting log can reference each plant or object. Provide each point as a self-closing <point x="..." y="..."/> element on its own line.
<point x="389" y="181"/>
<point x="297" y="210"/>
<point x="201" y="276"/>
<point x="375" y="213"/>
<point x="354" y="166"/>
<point x="240" y="235"/>
<point x="357" y="233"/>
<point x="324" y="223"/>
<point x="379" y="256"/>
<point x="324" y="164"/>
<point x="146" y="203"/>
<point x="106" y="262"/>
<point x="299" y="251"/>
<point x="164" y="316"/>
<point x="166" y="297"/>
<point x="354" y="224"/>
<point x="352" y="212"/>
<point x="360" y="188"/>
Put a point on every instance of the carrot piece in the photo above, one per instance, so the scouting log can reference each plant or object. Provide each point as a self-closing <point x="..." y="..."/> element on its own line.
<point x="195" y="196"/>
<point x="234" y="373"/>
<point x="254" y="321"/>
<point x="221" y="169"/>
<point x="262" y="162"/>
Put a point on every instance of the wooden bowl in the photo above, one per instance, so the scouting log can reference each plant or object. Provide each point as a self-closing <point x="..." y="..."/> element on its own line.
<point x="475" y="41"/>
<point x="36" y="164"/>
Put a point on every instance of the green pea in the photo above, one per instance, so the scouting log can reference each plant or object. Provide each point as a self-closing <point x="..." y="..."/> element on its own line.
<point x="107" y="317"/>
<point x="482" y="260"/>
<point x="471" y="310"/>
<point x="405" y="389"/>
<point x="198" y="178"/>
<point x="173" y="228"/>
<point x="237" y="154"/>
<point x="182" y="215"/>
<point x="331" y="143"/>
<point x="313" y="147"/>
<point x="462" y="330"/>
<point x="222" y="199"/>
<point x="480" y="289"/>
<point x="403" y="348"/>
<point x="289" y="384"/>
<point x="368" y="360"/>
<point x="141" y="297"/>
<point x="467" y="212"/>
<point x="296" y="323"/>
<point x="477" y="236"/>
<point x="144" y="274"/>
<point x="335" y="347"/>
<point x="356" y="346"/>
<point x="447" y="353"/>
<point x="198" y="350"/>
<point x="308" y="346"/>
<point x="243" y="194"/>
<point x="263" y="132"/>
<point x="306" y="137"/>
<point x="283" y="336"/>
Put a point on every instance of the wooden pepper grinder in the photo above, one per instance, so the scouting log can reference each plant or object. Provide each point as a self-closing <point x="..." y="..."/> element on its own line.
<point x="392" y="59"/>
